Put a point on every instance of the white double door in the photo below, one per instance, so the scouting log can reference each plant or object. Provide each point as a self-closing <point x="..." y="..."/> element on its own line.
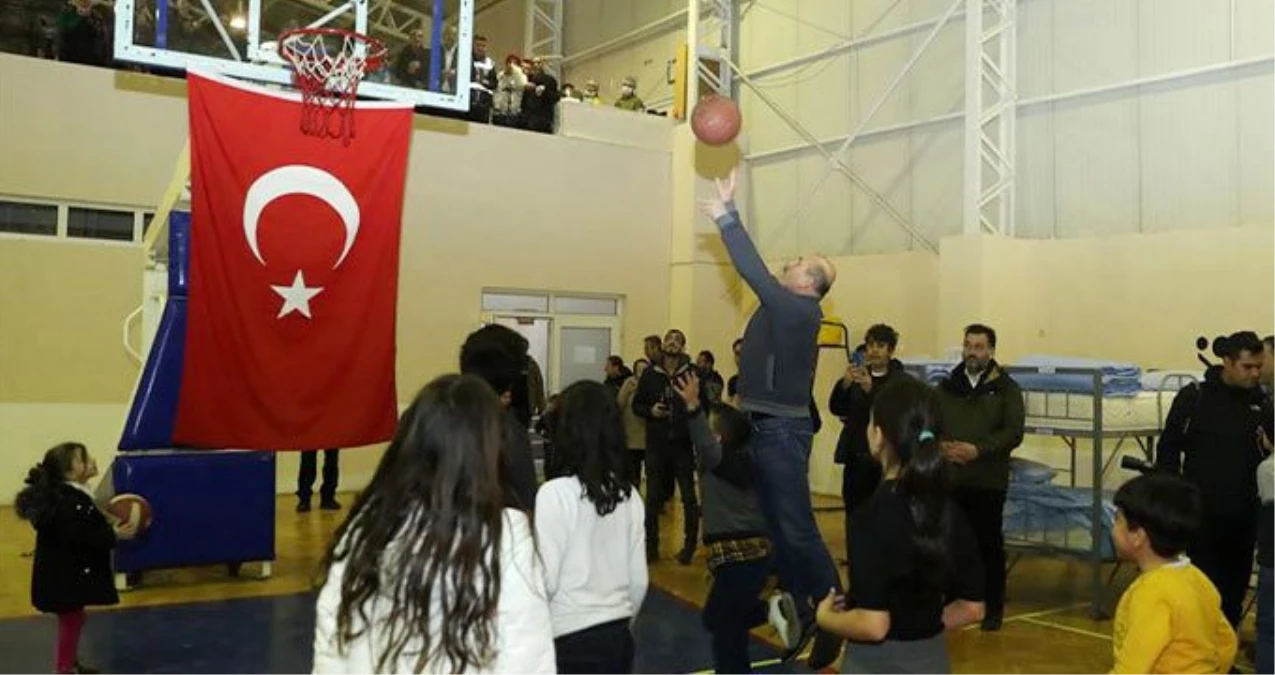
<point x="567" y="348"/>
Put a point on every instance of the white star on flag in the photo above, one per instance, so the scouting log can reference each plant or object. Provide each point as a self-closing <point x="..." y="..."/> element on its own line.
<point x="296" y="298"/>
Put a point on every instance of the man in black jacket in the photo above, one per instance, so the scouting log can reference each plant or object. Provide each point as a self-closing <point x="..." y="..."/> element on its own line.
<point x="1213" y="436"/>
<point x="668" y="445"/>
<point x="983" y="421"/>
<point x="851" y="400"/>
<point x="486" y="354"/>
<point x="540" y="100"/>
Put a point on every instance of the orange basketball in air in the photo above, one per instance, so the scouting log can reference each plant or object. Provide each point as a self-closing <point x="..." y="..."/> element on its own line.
<point x="716" y="120"/>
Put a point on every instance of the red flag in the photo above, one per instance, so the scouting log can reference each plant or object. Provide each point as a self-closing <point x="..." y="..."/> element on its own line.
<point x="293" y="274"/>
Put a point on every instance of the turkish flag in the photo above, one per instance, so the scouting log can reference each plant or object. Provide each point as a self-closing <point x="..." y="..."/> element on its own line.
<point x="293" y="274"/>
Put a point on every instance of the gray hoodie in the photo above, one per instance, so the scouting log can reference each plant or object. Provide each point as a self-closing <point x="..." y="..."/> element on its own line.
<point x="730" y="506"/>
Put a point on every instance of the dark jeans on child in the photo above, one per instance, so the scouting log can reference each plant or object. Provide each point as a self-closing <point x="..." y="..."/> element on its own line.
<point x="733" y="609"/>
<point x="604" y="648"/>
<point x="1265" y="620"/>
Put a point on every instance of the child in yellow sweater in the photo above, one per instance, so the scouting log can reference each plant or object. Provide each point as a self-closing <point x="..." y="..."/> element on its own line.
<point x="1170" y="619"/>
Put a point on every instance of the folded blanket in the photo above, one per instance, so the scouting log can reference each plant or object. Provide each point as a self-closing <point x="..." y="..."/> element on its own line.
<point x="1118" y="379"/>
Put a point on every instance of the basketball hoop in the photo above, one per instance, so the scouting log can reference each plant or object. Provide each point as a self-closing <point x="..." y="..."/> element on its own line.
<point x="329" y="63"/>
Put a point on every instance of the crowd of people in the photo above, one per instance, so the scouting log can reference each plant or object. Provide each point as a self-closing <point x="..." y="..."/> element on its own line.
<point x="519" y="93"/>
<point x="457" y="557"/>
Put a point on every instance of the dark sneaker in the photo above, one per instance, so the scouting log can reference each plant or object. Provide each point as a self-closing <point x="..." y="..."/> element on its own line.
<point x="330" y="505"/>
<point x="825" y="651"/>
<point x="303" y="507"/>
<point x="685" y="555"/>
<point x="993" y="621"/>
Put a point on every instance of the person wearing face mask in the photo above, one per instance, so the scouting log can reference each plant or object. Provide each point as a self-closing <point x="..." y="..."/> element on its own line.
<point x="1215" y="435"/>
<point x="628" y="96"/>
<point x="983" y="415"/>
<point x="591" y="93"/>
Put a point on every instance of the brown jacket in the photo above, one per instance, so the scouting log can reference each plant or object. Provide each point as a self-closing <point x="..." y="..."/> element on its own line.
<point x="634" y="426"/>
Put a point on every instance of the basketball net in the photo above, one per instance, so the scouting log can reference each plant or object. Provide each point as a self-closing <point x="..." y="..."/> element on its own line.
<point x="329" y="63"/>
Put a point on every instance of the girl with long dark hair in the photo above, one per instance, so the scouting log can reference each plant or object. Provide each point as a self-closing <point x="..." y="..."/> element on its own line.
<point x="589" y="524"/>
<point x="430" y="572"/>
<point x="73" y="542"/>
<point x="914" y="565"/>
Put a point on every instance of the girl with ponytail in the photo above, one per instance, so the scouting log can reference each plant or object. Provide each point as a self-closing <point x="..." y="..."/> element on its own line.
<point x="73" y="542"/>
<point x="914" y="565"/>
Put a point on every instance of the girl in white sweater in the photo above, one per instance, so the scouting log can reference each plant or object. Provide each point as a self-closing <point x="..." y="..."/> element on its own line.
<point x="430" y="573"/>
<point x="589" y="524"/>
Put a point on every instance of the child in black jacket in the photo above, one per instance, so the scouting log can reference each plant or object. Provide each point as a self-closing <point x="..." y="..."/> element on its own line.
<point x="72" y="546"/>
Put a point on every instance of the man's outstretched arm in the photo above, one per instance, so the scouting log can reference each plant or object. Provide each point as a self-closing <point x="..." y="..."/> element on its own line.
<point x="743" y="253"/>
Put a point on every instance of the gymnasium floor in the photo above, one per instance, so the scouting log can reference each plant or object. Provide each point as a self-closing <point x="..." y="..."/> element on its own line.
<point x="200" y="620"/>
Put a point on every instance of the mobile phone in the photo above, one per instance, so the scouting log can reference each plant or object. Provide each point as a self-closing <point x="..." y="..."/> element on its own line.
<point x="856" y="359"/>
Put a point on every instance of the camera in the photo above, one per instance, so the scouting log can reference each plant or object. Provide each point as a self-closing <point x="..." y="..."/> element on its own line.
<point x="1142" y="466"/>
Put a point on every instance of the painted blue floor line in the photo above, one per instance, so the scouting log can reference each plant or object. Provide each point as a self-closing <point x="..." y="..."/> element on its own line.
<point x="275" y="634"/>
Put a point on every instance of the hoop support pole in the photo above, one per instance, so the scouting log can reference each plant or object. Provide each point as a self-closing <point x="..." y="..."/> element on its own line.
<point x="159" y="222"/>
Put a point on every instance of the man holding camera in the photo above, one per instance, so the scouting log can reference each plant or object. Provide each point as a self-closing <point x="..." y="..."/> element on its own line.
<point x="668" y="444"/>
<point x="1215" y="435"/>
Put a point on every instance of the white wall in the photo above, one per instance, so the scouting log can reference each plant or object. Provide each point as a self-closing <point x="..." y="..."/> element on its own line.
<point x="1197" y="152"/>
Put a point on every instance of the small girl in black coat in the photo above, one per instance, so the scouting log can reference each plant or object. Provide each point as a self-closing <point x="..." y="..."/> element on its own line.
<point x="72" y="545"/>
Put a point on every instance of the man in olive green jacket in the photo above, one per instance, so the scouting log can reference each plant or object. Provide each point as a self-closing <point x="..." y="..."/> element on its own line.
<point x="982" y="410"/>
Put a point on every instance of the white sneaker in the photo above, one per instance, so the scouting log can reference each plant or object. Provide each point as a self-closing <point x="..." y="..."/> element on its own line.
<point x="782" y="615"/>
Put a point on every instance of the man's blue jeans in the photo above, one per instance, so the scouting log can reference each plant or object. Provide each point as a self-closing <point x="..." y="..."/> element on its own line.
<point x="781" y="465"/>
<point x="1265" y="620"/>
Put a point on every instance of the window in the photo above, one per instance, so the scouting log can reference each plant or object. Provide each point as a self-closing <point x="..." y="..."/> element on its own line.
<point x="565" y="304"/>
<point x="147" y="217"/>
<point x="99" y="224"/>
<point x="514" y="302"/>
<point x="23" y="218"/>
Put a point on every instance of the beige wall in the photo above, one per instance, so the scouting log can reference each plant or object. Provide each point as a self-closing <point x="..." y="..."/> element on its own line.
<point x="593" y="210"/>
<point x="62" y="305"/>
<point x="485" y="207"/>
<point x="1139" y="298"/>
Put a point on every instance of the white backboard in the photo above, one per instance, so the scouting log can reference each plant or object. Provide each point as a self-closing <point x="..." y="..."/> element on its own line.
<point x="239" y="38"/>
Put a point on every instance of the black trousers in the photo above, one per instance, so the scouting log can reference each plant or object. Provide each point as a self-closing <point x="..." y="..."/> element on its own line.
<point x="860" y="477"/>
<point x="664" y="466"/>
<point x="604" y="648"/>
<point x="1224" y="553"/>
<point x="331" y="474"/>
<point x="734" y="608"/>
<point x="985" y="510"/>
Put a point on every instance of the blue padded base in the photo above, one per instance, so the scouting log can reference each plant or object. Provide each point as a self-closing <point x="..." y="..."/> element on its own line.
<point x="209" y="507"/>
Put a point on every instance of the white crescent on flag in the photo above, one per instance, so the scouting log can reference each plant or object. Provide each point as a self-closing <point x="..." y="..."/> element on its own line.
<point x="298" y="179"/>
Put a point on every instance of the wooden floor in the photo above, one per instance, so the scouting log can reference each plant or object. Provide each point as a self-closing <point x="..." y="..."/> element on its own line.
<point x="1047" y="627"/>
